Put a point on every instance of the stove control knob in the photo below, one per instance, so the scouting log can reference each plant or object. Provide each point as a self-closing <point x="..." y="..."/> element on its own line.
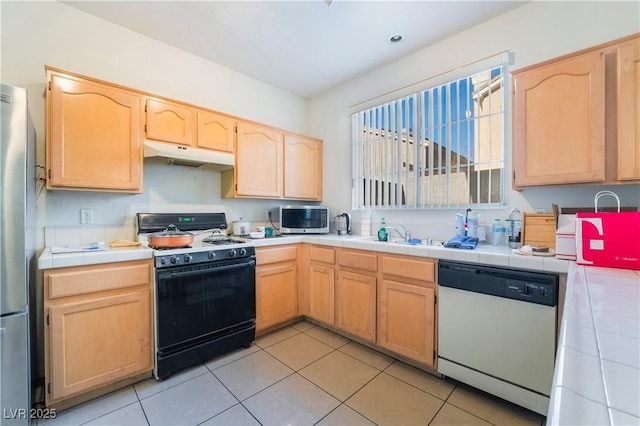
<point x="232" y="253"/>
<point x="242" y="251"/>
<point x="187" y="258"/>
<point x="173" y="260"/>
<point x="163" y="261"/>
<point x="211" y="255"/>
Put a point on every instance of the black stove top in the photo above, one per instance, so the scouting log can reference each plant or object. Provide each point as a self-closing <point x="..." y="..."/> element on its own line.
<point x="214" y="247"/>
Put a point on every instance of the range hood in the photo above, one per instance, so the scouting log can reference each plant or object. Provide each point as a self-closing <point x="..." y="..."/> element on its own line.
<point x="188" y="156"/>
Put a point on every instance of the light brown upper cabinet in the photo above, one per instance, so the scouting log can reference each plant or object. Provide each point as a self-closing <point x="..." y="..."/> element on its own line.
<point x="628" y="108"/>
<point x="169" y="122"/>
<point x="258" y="171"/>
<point x="575" y="118"/>
<point x="215" y="131"/>
<point x="559" y="122"/>
<point x="93" y="131"/>
<point x="272" y="164"/>
<point x="302" y="167"/>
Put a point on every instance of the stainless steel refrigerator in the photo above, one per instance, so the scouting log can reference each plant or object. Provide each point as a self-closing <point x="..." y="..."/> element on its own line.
<point x="17" y="247"/>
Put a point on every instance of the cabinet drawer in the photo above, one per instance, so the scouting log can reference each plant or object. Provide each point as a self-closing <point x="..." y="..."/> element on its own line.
<point x="321" y="254"/>
<point x="358" y="260"/>
<point x="423" y="270"/>
<point x="276" y="254"/>
<point x="78" y="280"/>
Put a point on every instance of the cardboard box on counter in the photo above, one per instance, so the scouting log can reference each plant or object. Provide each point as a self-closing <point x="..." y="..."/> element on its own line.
<point x="566" y="237"/>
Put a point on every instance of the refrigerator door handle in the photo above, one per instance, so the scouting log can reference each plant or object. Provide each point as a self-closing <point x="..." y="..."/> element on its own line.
<point x="3" y="330"/>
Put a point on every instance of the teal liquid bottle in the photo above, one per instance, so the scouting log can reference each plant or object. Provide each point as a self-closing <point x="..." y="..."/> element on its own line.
<point x="383" y="235"/>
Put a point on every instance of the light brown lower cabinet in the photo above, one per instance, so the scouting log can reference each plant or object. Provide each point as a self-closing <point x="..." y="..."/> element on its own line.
<point x="97" y="327"/>
<point x="407" y="307"/>
<point x="406" y="320"/>
<point x="276" y="285"/>
<point x="320" y="286"/>
<point x="357" y="279"/>
<point x="356" y="304"/>
<point x="322" y="282"/>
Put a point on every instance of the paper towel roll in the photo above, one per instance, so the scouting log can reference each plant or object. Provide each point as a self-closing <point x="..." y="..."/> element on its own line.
<point x="365" y="223"/>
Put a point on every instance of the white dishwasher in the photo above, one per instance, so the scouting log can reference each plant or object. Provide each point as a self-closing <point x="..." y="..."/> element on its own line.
<point x="497" y="331"/>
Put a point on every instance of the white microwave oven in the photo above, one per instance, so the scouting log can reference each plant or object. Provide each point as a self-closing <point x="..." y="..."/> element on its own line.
<point x="301" y="219"/>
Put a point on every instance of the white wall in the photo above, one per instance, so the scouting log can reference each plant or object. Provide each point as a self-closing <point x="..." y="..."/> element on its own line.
<point x="35" y="34"/>
<point x="52" y="33"/>
<point x="534" y="32"/>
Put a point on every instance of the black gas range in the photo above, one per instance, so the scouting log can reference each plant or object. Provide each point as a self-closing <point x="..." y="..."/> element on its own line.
<point x="205" y="302"/>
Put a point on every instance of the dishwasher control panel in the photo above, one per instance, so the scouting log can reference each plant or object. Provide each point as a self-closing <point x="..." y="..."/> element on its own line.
<point x="530" y="291"/>
<point x="527" y="286"/>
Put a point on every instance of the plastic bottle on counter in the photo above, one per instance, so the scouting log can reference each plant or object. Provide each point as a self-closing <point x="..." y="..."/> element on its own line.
<point x="498" y="233"/>
<point x="383" y="235"/>
<point x="459" y="225"/>
<point x="472" y="224"/>
<point x="482" y="229"/>
<point x="365" y="222"/>
<point x="515" y="227"/>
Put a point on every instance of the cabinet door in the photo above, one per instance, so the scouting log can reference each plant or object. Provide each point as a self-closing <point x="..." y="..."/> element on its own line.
<point x="356" y="304"/>
<point x="321" y="294"/>
<point x="258" y="170"/>
<point x="98" y="341"/>
<point x="628" y="110"/>
<point x="215" y="131"/>
<point x="407" y="320"/>
<point x="559" y="122"/>
<point x="169" y="122"/>
<point x="276" y="294"/>
<point x="302" y="168"/>
<point x="94" y="136"/>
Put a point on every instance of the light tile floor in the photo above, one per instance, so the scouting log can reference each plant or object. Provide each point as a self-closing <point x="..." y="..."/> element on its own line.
<point x="300" y="375"/>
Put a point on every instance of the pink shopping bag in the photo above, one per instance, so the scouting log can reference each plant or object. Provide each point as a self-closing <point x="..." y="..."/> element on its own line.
<point x="608" y="239"/>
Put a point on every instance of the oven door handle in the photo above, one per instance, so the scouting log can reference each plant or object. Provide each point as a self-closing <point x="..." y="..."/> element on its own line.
<point x="200" y="271"/>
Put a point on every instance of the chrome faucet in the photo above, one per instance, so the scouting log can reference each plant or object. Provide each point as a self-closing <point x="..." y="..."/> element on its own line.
<point x="407" y="233"/>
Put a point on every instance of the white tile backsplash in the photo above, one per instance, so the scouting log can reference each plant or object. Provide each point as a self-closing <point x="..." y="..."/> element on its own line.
<point x="65" y="235"/>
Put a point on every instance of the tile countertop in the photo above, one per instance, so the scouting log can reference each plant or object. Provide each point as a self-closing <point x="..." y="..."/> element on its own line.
<point x="597" y="373"/>
<point x="48" y="260"/>
<point x="483" y="254"/>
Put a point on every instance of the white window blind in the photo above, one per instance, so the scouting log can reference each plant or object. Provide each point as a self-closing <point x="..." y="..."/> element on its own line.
<point x="442" y="147"/>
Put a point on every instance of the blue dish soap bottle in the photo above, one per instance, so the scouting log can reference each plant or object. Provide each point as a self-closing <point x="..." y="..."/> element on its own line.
<point x="383" y="235"/>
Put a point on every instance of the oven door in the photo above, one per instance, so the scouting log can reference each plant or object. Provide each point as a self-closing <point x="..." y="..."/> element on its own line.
<point x="201" y="302"/>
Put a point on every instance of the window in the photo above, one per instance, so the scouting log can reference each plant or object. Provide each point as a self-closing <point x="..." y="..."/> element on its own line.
<point x="440" y="148"/>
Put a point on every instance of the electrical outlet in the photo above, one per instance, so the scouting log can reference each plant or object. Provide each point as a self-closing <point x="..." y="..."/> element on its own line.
<point x="86" y="216"/>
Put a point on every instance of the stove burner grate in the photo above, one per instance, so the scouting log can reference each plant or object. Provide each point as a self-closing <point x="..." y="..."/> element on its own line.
<point x="221" y="241"/>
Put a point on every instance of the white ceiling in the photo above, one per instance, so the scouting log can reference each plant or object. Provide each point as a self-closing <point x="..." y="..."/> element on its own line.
<point x="303" y="47"/>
